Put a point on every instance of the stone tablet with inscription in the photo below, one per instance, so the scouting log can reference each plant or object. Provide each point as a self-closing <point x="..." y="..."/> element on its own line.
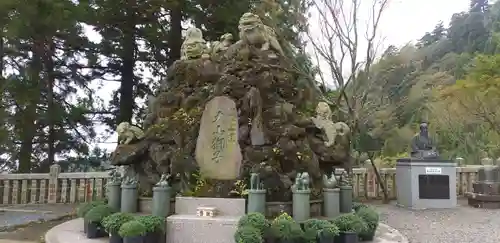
<point x="218" y="152"/>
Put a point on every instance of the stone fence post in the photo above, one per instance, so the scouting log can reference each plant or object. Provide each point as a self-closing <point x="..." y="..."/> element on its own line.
<point x="55" y="169"/>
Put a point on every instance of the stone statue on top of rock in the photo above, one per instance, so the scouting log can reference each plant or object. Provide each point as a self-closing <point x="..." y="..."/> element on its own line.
<point x="194" y="46"/>
<point x="254" y="32"/>
<point x="128" y="133"/>
<point x="323" y="121"/>
<point x="222" y="45"/>
<point x="422" y="145"/>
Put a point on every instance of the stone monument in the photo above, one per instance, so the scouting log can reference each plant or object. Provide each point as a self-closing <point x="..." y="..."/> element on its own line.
<point x="486" y="190"/>
<point x="424" y="180"/>
<point x="238" y="108"/>
<point x="218" y="152"/>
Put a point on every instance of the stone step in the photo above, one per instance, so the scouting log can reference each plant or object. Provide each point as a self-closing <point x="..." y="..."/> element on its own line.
<point x="224" y="206"/>
<point x="187" y="228"/>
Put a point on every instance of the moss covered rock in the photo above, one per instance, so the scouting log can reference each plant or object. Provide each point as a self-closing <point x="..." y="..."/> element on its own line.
<point x="267" y="93"/>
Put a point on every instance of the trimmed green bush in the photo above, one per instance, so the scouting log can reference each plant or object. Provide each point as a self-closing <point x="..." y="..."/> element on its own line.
<point x="83" y="208"/>
<point x="283" y="216"/>
<point x="330" y="230"/>
<point x="356" y="206"/>
<point x="247" y="234"/>
<point x="132" y="228"/>
<point x="152" y="223"/>
<point x="113" y="222"/>
<point x="371" y="218"/>
<point x="285" y="229"/>
<point x="98" y="213"/>
<point x="255" y="220"/>
<point x="350" y="222"/>
<point x="314" y="226"/>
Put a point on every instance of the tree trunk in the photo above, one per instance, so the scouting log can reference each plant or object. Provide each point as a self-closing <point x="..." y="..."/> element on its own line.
<point x="27" y="125"/>
<point x="175" y="34"/>
<point x="50" y="79"/>
<point x="127" y="69"/>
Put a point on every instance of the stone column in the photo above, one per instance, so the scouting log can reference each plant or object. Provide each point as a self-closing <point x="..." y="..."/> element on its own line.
<point x="55" y="169"/>
<point x="161" y="201"/>
<point x="129" y="198"/>
<point x="114" y="194"/>
<point x="301" y="205"/>
<point x="331" y="202"/>
<point x="256" y="201"/>
<point x="345" y="199"/>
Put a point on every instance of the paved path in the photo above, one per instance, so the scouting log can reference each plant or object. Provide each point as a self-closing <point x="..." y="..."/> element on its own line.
<point x="15" y="241"/>
<point x="12" y="216"/>
<point x="27" y="223"/>
<point x="463" y="224"/>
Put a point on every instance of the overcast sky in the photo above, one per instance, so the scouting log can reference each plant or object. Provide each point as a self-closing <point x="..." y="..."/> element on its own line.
<point x="403" y="21"/>
<point x="407" y="20"/>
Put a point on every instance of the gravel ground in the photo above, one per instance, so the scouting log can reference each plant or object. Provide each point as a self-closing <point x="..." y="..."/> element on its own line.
<point x="463" y="224"/>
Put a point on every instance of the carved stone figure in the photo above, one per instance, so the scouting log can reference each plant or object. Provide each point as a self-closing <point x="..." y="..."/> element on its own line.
<point x="255" y="183"/>
<point x="194" y="46"/>
<point x="115" y="176"/>
<point x="226" y="40"/>
<point x="129" y="180"/>
<point x="422" y="146"/>
<point x="127" y="133"/>
<point x="323" y="121"/>
<point x="329" y="182"/>
<point x="163" y="182"/>
<point x="254" y="32"/>
<point x="302" y="181"/>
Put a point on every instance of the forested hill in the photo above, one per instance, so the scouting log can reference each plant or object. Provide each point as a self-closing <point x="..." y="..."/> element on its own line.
<point x="449" y="78"/>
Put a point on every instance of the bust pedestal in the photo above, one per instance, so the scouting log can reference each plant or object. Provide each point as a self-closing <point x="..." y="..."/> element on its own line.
<point x="426" y="183"/>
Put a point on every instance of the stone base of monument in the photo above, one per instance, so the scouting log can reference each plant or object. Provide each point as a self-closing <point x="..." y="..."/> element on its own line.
<point x="486" y="194"/>
<point x="486" y="187"/>
<point x="204" y="220"/>
<point x="426" y="183"/>
<point x="478" y="200"/>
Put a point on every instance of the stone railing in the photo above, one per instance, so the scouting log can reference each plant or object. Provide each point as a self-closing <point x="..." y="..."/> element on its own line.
<point x="52" y="187"/>
<point x="56" y="187"/>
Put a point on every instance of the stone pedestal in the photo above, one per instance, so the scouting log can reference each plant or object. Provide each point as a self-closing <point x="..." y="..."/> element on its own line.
<point x="161" y="201"/>
<point x="331" y="202"/>
<point x="486" y="191"/>
<point x="301" y="207"/>
<point x="193" y="222"/>
<point x="129" y="197"/>
<point x="256" y="201"/>
<point x="426" y="183"/>
<point x="114" y="195"/>
<point x="345" y="199"/>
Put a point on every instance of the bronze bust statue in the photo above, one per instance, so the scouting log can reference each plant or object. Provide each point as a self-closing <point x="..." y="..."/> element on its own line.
<point x="422" y="146"/>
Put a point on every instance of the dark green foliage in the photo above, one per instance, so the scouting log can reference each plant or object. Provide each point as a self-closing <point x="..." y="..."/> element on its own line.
<point x="357" y="206"/>
<point x="371" y="218"/>
<point x="98" y="213"/>
<point x="255" y="220"/>
<point x="113" y="222"/>
<point x="313" y="227"/>
<point x="132" y="228"/>
<point x="152" y="223"/>
<point x="350" y="222"/>
<point x="247" y="234"/>
<point x="83" y="208"/>
<point x="286" y="230"/>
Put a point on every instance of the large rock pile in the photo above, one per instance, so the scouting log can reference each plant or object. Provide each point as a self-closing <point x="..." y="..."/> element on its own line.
<point x="256" y="95"/>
